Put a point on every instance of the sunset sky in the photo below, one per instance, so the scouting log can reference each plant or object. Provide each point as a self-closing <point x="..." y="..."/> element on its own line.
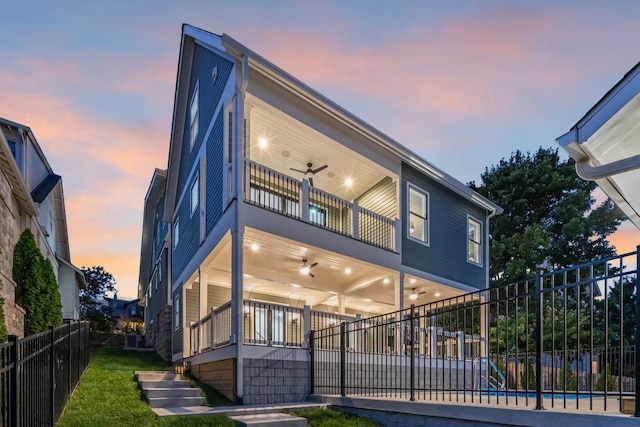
<point x="463" y="83"/>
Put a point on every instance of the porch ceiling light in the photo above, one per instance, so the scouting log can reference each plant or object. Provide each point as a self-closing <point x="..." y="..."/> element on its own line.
<point x="437" y="294"/>
<point x="254" y="247"/>
<point x="385" y="281"/>
<point x="414" y="295"/>
<point x="347" y="271"/>
<point x="304" y="269"/>
<point x="262" y="142"/>
<point x="348" y="182"/>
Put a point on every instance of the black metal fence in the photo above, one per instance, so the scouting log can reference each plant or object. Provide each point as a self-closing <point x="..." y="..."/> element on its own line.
<point x="564" y="339"/>
<point x="39" y="372"/>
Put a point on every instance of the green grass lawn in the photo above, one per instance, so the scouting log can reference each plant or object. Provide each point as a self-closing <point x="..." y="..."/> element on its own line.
<point x="108" y="394"/>
<point x="329" y="418"/>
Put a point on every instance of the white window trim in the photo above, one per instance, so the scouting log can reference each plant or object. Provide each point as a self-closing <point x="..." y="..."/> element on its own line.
<point x="176" y="312"/>
<point x="195" y="183"/>
<point x="410" y="186"/>
<point x="195" y="102"/>
<point x="469" y="219"/>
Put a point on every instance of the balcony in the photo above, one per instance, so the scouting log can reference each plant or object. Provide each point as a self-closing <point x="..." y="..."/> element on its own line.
<point x="274" y="191"/>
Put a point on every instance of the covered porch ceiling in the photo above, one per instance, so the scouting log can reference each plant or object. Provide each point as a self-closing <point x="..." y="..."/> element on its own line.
<point x="279" y="142"/>
<point x="272" y="267"/>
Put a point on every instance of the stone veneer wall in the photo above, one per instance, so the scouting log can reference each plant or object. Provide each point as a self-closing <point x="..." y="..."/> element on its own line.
<point x="158" y="334"/>
<point x="9" y="233"/>
<point x="275" y="381"/>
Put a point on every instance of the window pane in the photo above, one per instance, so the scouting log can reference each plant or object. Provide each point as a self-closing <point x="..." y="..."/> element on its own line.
<point x="417" y="228"/>
<point x="195" y="196"/>
<point x="475" y="241"/>
<point x="417" y="203"/>
<point x="193" y="113"/>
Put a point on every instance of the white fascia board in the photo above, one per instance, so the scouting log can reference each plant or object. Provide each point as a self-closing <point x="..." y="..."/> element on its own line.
<point x="337" y="112"/>
<point x="154" y="193"/>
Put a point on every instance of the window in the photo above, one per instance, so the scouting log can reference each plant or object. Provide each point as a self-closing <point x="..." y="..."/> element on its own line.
<point x="193" y="114"/>
<point x="176" y="233"/>
<point x="474" y="233"/>
<point x="176" y="312"/>
<point x="195" y="195"/>
<point x="418" y="214"/>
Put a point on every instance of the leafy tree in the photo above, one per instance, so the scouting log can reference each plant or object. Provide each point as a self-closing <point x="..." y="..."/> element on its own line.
<point x="92" y="308"/>
<point x="36" y="286"/>
<point x="4" y="335"/>
<point x="548" y="212"/>
<point x="51" y="303"/>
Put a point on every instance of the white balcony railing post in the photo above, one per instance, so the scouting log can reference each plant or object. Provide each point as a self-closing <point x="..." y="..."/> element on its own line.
<point x="304" y="200"/>
<point x="358" y="342"/>
<point x="212" y="331"/>
<point x="355" y="220"/>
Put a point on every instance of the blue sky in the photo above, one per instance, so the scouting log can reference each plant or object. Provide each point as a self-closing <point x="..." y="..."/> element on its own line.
<point x="462" y="83"/>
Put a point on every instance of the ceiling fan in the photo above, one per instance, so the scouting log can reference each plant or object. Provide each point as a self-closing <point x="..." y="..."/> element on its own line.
<point x="414" y="294"/>
<point x="305" y="269"/>
<point x="310" y="172"/>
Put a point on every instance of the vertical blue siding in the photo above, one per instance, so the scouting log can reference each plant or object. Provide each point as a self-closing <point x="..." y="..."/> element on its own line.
<point x="204" y="62"/>
<point x="189" y="238"/>
<point x="446" y="255"/>
<point x="209" y="96"/>
<point x="215" y="172"/>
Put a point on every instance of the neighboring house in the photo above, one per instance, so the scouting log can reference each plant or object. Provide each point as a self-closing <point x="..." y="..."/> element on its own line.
<point x="287" y="213"/>
<point x="125" y="313"/>
<point x="606" y="144"/>
<point x="32" y="197"/>
<point x="154" y="269"/>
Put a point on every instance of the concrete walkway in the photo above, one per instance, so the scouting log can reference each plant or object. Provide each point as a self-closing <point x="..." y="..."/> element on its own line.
<point x="232" y="411"/>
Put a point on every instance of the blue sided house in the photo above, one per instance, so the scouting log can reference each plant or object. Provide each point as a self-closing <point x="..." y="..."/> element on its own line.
<point x="280" y="213"/>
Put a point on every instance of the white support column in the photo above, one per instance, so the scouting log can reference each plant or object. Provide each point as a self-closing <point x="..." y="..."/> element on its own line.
<point x="186" y="329"/>
<point x="460" y="339"/>
<point x="484" y="324"/>
<point x="398" y="294"/>
<point x="202" y="300"/>
<point x="359" y="328"/>
<point x="341" y="300"/>
<point x="306" y="319"/>
<point x="304" y="200"/>
<point x="237" y="229"/>
<point x="355" y="222"/>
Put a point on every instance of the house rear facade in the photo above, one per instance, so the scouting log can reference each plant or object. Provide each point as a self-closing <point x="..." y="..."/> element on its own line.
<point x="32" y="197"/>
<point x="280" y="213"/>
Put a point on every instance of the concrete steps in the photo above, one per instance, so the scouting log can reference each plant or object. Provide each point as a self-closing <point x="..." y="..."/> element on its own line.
<point x="269" y="420"/>
<point x="168" y="390"/>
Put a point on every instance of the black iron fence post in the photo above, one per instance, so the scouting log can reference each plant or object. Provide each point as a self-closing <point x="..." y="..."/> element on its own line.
<point x="539" y="341"/>
<point x="412" y="353"/>
<point x="312" y="358"/>
<point x="13" y="381"/>
<point x="69" y="358"/>
<point x="637" y="340"/>
<point x="52" y="372"/>
<point x="343" y="357"/>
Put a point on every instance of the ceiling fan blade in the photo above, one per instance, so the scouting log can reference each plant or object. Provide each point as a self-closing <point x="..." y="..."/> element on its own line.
<point x="312" y="275"/>
<point x="298" y="170"/>
<point x="311" y="181"/>
<point x="313" y="265"/>
<point x="316" y="170"/>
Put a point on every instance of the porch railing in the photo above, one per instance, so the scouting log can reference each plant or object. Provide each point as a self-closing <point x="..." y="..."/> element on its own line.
<point x="287" y="196"/>
<point x="564" y="338"/>
<point x="264" y="324"/>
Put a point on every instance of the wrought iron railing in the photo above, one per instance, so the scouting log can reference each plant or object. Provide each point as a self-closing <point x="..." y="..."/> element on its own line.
<point x="560" y="339"/>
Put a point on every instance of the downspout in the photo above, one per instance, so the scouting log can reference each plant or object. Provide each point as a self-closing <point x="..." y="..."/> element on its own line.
<point x="237" y="231"/>
<point x="591" y="173"/>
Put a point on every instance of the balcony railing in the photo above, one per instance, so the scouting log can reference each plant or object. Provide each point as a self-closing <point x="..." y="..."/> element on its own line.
<point x="287" y="196"/>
